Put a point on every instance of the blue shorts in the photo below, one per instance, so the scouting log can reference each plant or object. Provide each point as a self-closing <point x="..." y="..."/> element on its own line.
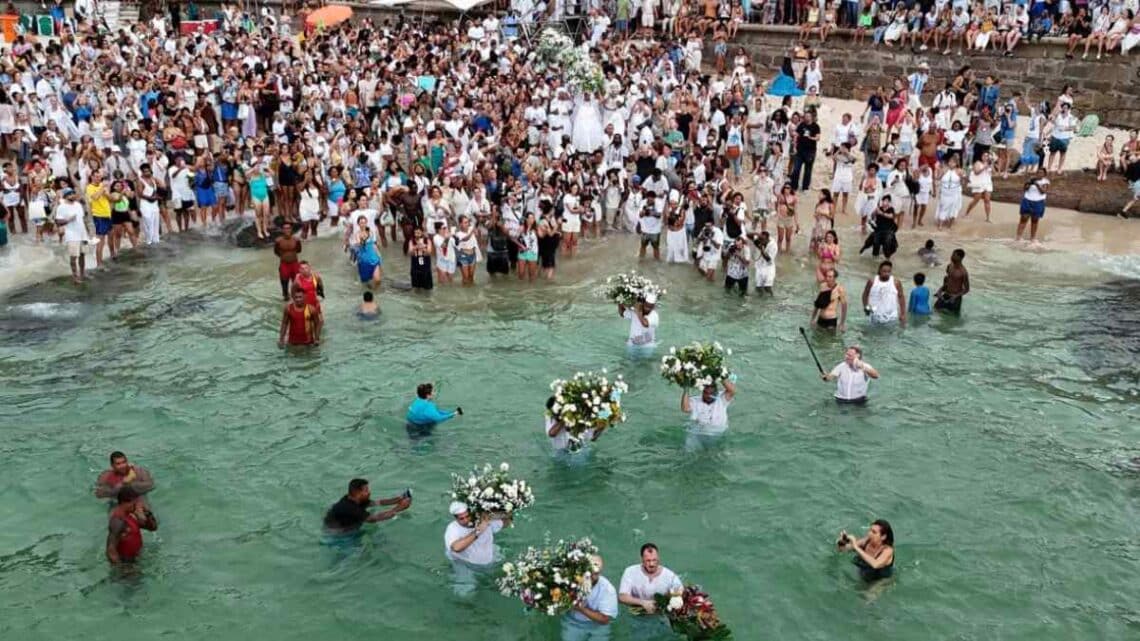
<point x="1034" y="209"/>
<point x="465" y="260"/>
<point x="720" y="48"/>
<point x="229" y="111"/>
<point x="1057" y="144"/>
<point x="102" y="226"/>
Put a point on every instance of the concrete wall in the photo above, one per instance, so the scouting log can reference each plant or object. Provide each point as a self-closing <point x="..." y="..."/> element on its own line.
<point x="1109" y="88"/>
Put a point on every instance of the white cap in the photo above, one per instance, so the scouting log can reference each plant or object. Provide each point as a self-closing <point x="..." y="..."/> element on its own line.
<point x="457" y="507"/>
<point x="651" y="299"/>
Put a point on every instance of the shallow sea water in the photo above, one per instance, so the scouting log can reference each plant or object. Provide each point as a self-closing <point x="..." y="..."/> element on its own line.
<point x="1000" y="446"/>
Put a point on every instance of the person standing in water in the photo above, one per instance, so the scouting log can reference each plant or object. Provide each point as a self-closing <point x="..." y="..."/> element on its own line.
<point x="288" y="250"/>
<point x="709" y="411"/>
<point x="955" y="285"/>
<point x="853" y="376"/>
<point x="124" y="527"/>
<point x="874" y="553"/>
<point x="643" y="322"/>
<point x="122" y="474"/>
<point x="830" y="308"/>
<point x="369" y="309"/>
<point x="350" y="513"/>
<point x="423" y="412"/>
<point x="300" y="322"/>
<point x="883" y="298"/>
<point x="310" y="283"/>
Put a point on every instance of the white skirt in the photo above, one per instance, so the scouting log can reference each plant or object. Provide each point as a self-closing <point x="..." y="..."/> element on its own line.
<point x="676" y="246"/>
<point x="948" y="206"/>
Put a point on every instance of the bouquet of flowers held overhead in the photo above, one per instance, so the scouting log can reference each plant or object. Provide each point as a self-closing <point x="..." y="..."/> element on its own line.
<point x="491" y="492"/>
<point x="696" y="364"/>
<point x="692" y="614"/>
<point x="588" y="401"/>
<point x="628" y="289"/>
<point x="551" y="579"/>
<point x="555" y="49"/>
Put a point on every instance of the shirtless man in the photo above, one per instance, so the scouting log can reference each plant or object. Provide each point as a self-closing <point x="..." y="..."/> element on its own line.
<point x="125" y="525"/>
<point x="300" y="322"/>
<point x="287" y="248"/>
<point x="122" y="474"/>
<point x="830" y="309"/>
<point x="928" y="149"/>
<point x="955" y="285"/>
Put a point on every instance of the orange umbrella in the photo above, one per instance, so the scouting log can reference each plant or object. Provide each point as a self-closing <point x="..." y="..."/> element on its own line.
<point x="329" y="16"/>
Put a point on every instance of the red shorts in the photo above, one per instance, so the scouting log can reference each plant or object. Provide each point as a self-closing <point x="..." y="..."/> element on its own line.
<point x="289" y="271"/>
<point x="928" y="161"/>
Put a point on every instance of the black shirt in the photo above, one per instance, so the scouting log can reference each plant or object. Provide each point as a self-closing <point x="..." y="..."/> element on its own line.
<point x="702" y="215"/>
<point x="805" y="145"/>
<point x="346" y="514"/>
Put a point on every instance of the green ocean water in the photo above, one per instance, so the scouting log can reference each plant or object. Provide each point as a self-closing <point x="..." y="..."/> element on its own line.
<point x="999" y="445"/>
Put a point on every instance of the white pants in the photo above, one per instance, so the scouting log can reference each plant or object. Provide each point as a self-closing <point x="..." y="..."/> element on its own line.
<point x="150" y="222"/>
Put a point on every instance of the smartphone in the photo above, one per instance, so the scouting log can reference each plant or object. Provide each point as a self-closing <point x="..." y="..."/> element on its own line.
<point x="407" y="493"/>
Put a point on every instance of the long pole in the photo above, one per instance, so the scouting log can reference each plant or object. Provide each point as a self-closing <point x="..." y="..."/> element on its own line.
<point x="812" y="350"/>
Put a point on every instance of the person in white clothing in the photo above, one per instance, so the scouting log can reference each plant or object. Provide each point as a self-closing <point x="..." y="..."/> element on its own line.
<point x="469" y="545"/>
<point x="765" y="262"/>
<point x="69" y="215"/>
<point x="709" y="411"/>
<point x="590" y="618"/>
<point x="559" y="436"/>
<point x="640" y="583"/>
<point x="643" y="321"/>
<point x="883" y="297"/>
<point x="853" y="376"/>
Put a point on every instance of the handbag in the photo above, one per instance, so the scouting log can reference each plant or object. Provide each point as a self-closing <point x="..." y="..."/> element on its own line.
<point x="243" y="112"/>
<point x="733" y="151"/>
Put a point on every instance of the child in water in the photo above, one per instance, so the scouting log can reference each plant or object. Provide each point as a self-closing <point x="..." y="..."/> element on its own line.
<point x="368" y="309"/>
<point x="919" y="303"/>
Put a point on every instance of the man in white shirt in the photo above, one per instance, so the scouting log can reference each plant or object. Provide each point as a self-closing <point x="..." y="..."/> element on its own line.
<point x="69" y="214"/>
<point x="649" y="226"/>
<point x="709" y="411"/>
<point x="559" y="436"/>
<point x="1064" y="127"/>
<point x="643" y="321"/>
<point x="641" y="582"/>
<point x="853" y="376"/>
<point x="470" y="546"/>
<point x="590" y="619"/>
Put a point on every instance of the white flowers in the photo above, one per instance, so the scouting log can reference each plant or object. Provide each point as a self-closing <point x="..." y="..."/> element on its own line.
<point x="596" y="404"/>
<point x="551" y="579"/>
<point x="491" y="491"/>
<point x="675" y="603"/>
<point x="628" y="289"/>
<point x="696" y="364"/>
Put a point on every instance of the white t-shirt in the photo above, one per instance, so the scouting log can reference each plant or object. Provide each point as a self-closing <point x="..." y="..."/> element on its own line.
<point x="650" y="221"/>
<point x="712" y="417"/>
<point x="481" y="552"/>
<point x="639" y="334"/>
<point x="1063" y="126"/>
<point x="75" y="229"/>
<point x="636" y="584"/>
<point x="851" y="383"/>
<point x="603" y="598"/>
<point x="562" y="441"/>
<point x="1034" y="193"/>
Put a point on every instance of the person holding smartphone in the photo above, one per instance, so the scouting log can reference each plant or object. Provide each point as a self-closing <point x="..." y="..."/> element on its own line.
<point x="347" y="515"/>
<point x="853" y="376"/>
<point x="874" y="553"/>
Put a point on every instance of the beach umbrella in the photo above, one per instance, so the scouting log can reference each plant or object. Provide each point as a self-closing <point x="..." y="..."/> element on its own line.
<point x="333" y="14"/>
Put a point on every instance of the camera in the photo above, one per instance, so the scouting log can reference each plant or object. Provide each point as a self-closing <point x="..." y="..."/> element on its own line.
<point x="407" y="493"/>
<point x="843" y="540"/>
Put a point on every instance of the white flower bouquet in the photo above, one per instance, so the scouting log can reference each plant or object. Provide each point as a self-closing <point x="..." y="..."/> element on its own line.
<point x="491" y="492"/>
<point x="696" y="365"/>
<point x="586" y="75"/>
<point x="628" y="289"/>
<point x="555" y="49"/>
<point x="551" y="579"/>
<point x="588" y="401"/>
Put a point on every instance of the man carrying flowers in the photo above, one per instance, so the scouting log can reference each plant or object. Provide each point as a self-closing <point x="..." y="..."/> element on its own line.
<point x="470" y="544"/>
<point x="590" y="618"/>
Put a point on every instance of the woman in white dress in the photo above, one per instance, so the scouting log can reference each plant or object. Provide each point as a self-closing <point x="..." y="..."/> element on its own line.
<point x="571" y="219"/>
<point x="676" y="238"/>
<point x="949" y="195"/>
<point x="648" y="8"/>
<point x="981" y="182"/>
<point x="310" y="205"/>
<point x="149" y="205"/>
<point x="588" y="133"/>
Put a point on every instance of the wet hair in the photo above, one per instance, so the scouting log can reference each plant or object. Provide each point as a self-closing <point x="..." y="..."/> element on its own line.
<point x="886" y="263"/>
<point x="959" y="254"/>
<point x="929" y="243"/>
<point x="919" y="278"/>
<point x="648" y="546"/>
<point x="355" y="485"/>
<point x="858" y="350"/>
<point x="888" y="533"/>
<point x="116" y="455"/>
<point x="368" y="297"/>
<point x="423" y="390"/>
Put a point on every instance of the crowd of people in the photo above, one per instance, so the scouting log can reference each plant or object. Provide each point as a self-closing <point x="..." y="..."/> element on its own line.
<point x="446" y="140"/>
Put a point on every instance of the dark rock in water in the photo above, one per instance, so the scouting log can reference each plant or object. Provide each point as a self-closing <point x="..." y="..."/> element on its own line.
<point x="150" y="313"/>
<point x="401" y="286"/>
<point x="246" y="238"/>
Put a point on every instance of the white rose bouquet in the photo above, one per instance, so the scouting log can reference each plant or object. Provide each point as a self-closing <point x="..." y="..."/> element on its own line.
<point x="628" y="289"/>
<point x="588" y="401"/>
<point x="491" y="492"/>
<point x="555" y="49"/>
<point x="696" y="365"/>
<point x="551" y="579"/>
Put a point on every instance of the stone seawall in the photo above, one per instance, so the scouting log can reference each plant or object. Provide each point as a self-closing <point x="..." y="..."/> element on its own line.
<point x="1109" y="88"/>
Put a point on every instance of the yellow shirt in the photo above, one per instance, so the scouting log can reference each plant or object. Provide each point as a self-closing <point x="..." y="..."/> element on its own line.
<point x="101" y="206"/>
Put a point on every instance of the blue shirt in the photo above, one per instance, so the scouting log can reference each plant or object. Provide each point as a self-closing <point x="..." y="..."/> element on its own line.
<point x="919" y="301"/>
<point x="424" y="412"/>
